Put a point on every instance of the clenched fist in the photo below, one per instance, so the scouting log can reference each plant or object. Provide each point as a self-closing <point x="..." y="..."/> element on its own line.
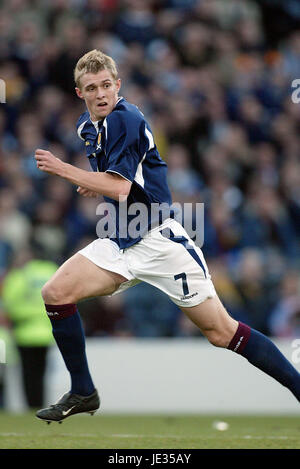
<point x="48" y="163"/>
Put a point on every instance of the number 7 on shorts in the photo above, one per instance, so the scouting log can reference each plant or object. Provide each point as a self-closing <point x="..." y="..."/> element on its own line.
<point x="185" y="287"/>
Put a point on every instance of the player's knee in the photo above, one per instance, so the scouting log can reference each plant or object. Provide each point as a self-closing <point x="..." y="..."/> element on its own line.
<point x="217" y="338"/>
<point x="221" y="335"/>
<point x="52" y="293"/>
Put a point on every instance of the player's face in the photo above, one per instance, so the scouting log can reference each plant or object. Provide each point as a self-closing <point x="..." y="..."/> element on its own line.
<point x="100" y="92"/>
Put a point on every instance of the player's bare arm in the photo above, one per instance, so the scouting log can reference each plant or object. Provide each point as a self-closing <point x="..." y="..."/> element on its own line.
<point x="108" y="184"/>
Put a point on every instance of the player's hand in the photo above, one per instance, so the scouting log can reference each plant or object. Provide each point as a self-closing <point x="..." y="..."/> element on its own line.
<point x="47" y="162"/>
<point x="86" y="192"/>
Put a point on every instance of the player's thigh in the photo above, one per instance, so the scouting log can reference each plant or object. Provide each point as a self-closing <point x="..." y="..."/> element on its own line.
<point x="213" y="320"/>
<point x="79" y="278"/>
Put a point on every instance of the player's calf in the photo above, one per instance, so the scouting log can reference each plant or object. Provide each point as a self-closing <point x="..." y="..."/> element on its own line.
<point x="214" y="321"/>
<point x="261" y="352"/>
<point x="223" y="331"/>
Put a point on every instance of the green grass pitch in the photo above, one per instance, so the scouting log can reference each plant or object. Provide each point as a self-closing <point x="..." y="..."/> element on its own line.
<point x="149" y="432"/>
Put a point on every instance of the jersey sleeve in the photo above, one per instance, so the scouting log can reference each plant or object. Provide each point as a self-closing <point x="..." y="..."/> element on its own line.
<point x="124" y="148"/>
<point x="80" y="125"/>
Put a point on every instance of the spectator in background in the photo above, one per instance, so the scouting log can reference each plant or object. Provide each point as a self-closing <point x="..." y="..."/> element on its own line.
<point x="8" y="355"/>
<point x="136" y="22"/>
<point x="15" y="228"/>
<point x="23" y="306"/>
<point x="182" y="179"/>
<point x="267" y="223"/>
<point x="290" y="187"/>
<point x="149" y="313"/>
<point x="253" y="287"/>
<point x="72" y="38"/>
<point x="284" y="319"/>
<point x="229" y="292"/>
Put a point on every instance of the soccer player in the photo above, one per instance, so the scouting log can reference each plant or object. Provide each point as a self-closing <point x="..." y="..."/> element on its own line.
<point x="127" y="169"/>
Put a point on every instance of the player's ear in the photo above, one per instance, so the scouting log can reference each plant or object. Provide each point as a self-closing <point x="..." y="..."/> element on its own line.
<point x="118" y="84"/>
<point x="79" y="93"/>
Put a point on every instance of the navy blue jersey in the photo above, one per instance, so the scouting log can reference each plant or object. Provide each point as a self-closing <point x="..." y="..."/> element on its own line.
<point x="123" y="143"/>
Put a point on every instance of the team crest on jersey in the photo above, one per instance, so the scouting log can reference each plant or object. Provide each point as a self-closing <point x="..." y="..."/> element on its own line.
<point x="99" y="141"/>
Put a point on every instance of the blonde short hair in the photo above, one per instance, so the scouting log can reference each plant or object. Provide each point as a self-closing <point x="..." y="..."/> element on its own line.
<point x="93" y="62"/>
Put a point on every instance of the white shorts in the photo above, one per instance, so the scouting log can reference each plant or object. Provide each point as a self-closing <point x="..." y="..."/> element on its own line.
<point x="173" y="264"/>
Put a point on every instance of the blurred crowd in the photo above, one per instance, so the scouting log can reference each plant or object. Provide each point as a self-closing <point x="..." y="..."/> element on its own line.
<point x="213" y="78"/>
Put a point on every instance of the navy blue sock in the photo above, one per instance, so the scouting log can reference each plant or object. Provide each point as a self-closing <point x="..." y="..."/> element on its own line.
<point x="69" y="335"/>
<point x="261" y="352"/>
